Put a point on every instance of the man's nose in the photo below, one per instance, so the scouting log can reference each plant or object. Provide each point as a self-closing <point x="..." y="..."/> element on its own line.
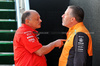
<point x="63" y="16"/>
<point x="40" y="20"/>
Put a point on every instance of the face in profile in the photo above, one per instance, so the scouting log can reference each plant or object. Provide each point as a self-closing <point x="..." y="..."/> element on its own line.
<point x="34" y="20"/>
<point x="66" y="18"/>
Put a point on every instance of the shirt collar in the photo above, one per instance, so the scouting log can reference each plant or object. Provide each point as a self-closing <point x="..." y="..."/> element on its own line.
<point x="74" y="29"/>
<point x="76" y="26"/>
<point x="30" y="29"/>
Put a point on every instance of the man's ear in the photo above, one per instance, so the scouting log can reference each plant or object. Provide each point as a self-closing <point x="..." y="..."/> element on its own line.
<point x="73" y="19"/>
<point x="26" y="21"/>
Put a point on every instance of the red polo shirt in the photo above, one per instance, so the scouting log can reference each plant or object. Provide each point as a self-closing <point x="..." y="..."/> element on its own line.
<point x="25" y="43"/>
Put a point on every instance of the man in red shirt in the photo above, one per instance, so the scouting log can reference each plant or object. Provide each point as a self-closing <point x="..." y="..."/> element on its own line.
<point x="27" y="49"/>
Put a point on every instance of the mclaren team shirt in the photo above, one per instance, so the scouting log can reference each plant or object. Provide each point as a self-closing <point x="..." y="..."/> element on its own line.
<point x="77" y="50"/>
<point x="25" y="43"/>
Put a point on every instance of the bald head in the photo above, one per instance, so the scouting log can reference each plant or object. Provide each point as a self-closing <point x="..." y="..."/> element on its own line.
<point x="32" y="19"/>
<point x="27" y="14"/>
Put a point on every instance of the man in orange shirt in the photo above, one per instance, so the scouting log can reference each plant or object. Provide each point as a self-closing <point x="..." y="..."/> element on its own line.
<point x="28" y="51"/>
<point x="77" y="50"/>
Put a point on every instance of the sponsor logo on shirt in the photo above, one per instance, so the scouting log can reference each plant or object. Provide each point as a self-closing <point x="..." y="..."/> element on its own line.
<point x="30" y="37"/>
<point x="80" y="43"/>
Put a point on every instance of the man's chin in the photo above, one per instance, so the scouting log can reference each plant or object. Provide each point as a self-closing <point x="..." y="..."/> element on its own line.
<point x="39" y="27"/>
<point x="63" y="24"/>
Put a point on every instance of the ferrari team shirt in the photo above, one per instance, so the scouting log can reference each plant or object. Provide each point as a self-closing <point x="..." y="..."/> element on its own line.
<point x="25" y="43"/>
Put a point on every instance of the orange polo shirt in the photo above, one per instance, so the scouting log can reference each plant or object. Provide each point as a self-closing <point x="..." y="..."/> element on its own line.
<point x="77" y="48"/>
<point x="25" y="43"/>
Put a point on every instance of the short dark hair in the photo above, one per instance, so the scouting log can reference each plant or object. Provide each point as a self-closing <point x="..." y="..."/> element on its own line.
<point x="24" y="16"/>
<point x="77" y="12"/>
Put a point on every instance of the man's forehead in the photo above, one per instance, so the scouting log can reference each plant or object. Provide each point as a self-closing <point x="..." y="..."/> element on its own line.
<point x="34" y="14"/>
<point x="68" y="10"/>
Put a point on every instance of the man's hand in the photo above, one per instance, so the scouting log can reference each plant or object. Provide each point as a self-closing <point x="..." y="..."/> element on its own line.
<point x="59" y="43"/>
<point x="47" y="48"/>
